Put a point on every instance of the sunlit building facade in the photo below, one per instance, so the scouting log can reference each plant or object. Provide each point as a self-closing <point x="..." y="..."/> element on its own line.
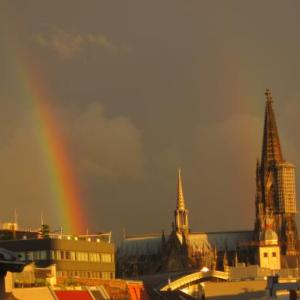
<point x="87" y="258"/>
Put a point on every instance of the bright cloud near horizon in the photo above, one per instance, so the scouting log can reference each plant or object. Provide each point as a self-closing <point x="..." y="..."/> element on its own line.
<point x="140" y="89"/>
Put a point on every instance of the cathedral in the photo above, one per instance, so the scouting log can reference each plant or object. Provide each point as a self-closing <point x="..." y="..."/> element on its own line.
<point x="275" y="187"/>
<point x="272" y="244"/>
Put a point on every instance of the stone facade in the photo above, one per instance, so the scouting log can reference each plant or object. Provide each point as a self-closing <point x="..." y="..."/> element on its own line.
<point x="275" y="187"/>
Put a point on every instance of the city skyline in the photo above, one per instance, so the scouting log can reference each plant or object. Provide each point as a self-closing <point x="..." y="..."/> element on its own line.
<point x="135" y="97"/>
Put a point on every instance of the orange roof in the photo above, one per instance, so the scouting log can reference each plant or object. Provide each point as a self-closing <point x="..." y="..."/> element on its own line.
<point x="137" y="292"/>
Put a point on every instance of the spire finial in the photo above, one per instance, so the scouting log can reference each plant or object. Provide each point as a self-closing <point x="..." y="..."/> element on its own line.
<point x="181" y="213"/>
<point x="180" y="197"/>
<point x="271" y="143"/>
<point x="268" y="95"/>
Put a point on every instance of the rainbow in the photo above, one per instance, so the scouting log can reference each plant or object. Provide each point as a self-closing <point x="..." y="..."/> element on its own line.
<point x="63" y="184"/>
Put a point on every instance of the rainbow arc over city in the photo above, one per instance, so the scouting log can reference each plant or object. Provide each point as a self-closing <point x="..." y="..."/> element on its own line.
<point x="63" y="183"/>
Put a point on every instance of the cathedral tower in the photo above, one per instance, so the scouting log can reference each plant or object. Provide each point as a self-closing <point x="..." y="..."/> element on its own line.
<point x="181" y="213"/>
<point x="275" y="187"/>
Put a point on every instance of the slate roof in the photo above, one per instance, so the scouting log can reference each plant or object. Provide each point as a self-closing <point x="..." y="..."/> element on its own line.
<point x="140" y="245"/>
<point x="151" y="244"/>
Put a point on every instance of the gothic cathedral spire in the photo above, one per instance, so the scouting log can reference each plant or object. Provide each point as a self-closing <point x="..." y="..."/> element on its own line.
<point x="180" y="196"/>
<point x="275" y="187"/>
<point x="271" y="151"/>
<point x="181" y="213"/>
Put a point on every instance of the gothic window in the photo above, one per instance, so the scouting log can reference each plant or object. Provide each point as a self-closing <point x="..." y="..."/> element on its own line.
<point x="271" y="197"/>
<point x="183" y="218"/>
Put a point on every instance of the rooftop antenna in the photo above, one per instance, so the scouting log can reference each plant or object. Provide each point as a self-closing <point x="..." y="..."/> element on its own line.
<point x="42" y="219"/>
<point x="15" y="216"/>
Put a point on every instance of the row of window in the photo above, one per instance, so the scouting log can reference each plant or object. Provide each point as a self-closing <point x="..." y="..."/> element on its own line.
<point x="266" y="254"/>
<point x="85" y="274"/>
<point x="67" y="255"/>
<point x="34" y="255"/>
<point x="81" y="256"/>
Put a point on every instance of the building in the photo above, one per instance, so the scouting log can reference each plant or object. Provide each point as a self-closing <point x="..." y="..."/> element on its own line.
<point x="275" y="187"/>
<point x="268" y="248"/>
<point x="107" y="289"/>
<point x="76" y="258"/>
<point x="272" y="244"/>
<point x="181" y="249"/>
<point x="10" y="231"/>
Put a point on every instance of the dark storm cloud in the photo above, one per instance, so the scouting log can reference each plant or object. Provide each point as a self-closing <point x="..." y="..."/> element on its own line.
<point x="143" y="88"/>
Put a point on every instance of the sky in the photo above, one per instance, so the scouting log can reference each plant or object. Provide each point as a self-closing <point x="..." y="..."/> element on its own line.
<point x="137" y="89"/>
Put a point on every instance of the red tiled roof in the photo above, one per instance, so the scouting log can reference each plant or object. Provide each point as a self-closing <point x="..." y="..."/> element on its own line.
<point x="137" y="292"/>
<point x="73" y="295"/>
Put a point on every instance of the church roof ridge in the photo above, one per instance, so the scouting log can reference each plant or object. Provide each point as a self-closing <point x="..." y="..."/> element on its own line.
<point x="225" y="231"/>
<point x="142" y="235"/>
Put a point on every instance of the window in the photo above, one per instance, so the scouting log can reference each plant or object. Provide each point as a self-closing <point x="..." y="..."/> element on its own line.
<point x="30" y="255"/>
<point x="106" y="258"/>
<point x="274" y="254"/>
<point x="44" y="254"/>
<point x="59" y="273"/>
<point x="72" y="255"/>
<point x="58" y="257"/>
<point x="265" y="254"/>
<point x="22" y="256"/>
<point x="68" y="256"/>
<point x="106" y="275"/>
<point x="40" y="255"/>
<point x="96" y="274"/>
<point x="82" y="256"/>
<point x="94" y="257"/>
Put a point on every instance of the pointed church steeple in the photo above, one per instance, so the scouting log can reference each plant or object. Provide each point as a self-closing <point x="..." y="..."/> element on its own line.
<point x="181" y="213"/>
<point x="180" y="196"/>
<point x="275" y="186"/>
<point x="271" y="151"/>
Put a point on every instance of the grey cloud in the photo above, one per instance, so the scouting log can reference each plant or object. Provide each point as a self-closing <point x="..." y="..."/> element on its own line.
<point x="67" y="45"/>
<point x="110" y="148"/>
<point x="64" y="44"/>
<point x="101" y="41"/>
<point x="186" y="70"/>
